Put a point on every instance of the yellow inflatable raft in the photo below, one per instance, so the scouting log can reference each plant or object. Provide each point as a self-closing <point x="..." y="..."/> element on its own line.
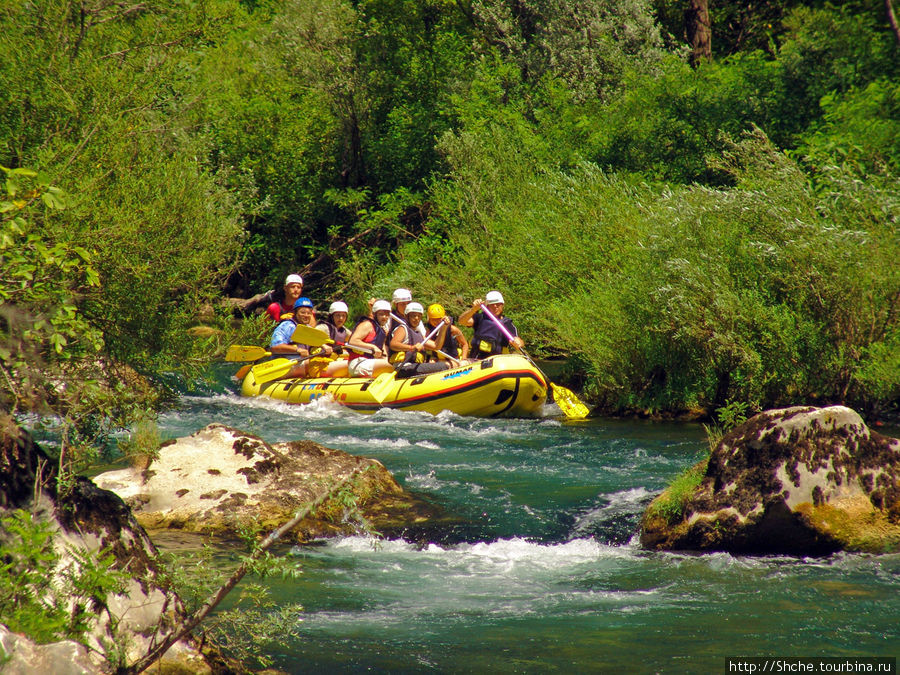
<point x="500" y="386"/>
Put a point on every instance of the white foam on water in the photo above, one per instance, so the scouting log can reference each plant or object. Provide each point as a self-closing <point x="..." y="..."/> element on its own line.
<point x="620" y="503"/>
<point x="500" y="555"/>
<point x="326" y="437"/>
<point x="508" y="578"/>
<point x="424" y="481"/>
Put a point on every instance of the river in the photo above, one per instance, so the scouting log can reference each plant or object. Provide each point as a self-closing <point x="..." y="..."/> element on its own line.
<point x="546" y="573"/>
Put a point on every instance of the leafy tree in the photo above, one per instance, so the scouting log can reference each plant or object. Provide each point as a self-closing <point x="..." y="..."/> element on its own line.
<point x="95" y="102"/>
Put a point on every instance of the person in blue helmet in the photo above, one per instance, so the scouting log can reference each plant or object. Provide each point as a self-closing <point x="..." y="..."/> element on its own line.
<point x="281" y="344"/>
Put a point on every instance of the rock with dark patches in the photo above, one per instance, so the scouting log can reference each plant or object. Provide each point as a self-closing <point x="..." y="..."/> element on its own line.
<point x="802" y="480"/>
<point x="237" y="481"/>
<point x="91" y="519"/>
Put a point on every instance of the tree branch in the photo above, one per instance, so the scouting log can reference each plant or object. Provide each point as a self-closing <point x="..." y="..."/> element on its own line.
<point x="892" y="19"/>
<point x="192" y="622"/>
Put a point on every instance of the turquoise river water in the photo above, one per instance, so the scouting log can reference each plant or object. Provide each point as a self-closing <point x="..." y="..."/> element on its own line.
<point x="546" y="573"/>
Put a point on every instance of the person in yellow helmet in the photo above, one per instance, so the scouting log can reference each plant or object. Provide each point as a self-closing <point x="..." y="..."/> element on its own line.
<point x="453" y="342"/>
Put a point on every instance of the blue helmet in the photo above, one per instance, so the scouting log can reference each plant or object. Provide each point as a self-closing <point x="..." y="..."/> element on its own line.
<point x="303" y="302"/>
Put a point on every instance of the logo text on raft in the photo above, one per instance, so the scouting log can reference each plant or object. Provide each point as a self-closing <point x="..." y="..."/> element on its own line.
<point x="458" y="373"/>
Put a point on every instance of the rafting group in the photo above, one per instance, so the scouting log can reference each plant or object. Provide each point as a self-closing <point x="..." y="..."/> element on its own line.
<point x="398" y="336"/>
<point x="399" y="355"/>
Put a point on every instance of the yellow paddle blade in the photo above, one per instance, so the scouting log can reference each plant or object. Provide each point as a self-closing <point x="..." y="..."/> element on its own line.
<point x="568" y="402"/>
<point x="307" y="335"/>
<point x="241" y="353"/>
<point x="381" y="386"/>
<point x="272" y="370"/>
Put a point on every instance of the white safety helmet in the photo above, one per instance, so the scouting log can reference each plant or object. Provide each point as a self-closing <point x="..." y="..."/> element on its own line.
<point x="338" y="307"/>
<point x="401" y="295"/>
<point x="293" y="279"/>
<point x="492" y="298"/>
<point x="415" y="307"/>
<point x="381" y="305"/>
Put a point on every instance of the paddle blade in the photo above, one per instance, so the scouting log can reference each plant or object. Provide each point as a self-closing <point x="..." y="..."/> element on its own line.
<point x="242" y="373"/>
<point x="307" y="335"/>
<point x="381" y="386"/>
<point x="568" y="402"/>
<point x="272" y="370"/>
<point x="241" y="353"/>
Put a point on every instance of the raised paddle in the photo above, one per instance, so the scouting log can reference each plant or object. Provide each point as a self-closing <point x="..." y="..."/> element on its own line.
<point x="566" y="400"/>
<point x="242" y="353"/>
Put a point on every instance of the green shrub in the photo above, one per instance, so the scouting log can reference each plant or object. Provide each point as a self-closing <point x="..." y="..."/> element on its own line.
<point x="30" y="600"/>
<point x="670" y="504"/>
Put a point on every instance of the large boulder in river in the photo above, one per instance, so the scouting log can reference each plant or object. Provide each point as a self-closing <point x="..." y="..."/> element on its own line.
<point x="799" y="480"/>
<point x="83" y="521"/>
<point x="223" y="481"/>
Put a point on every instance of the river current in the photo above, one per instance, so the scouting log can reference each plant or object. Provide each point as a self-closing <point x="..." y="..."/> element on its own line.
<point x="546" y="573"/>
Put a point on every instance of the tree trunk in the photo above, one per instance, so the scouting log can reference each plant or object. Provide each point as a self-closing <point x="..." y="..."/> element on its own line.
<point x="892" y="19"/>
<point x="698" y="30"/>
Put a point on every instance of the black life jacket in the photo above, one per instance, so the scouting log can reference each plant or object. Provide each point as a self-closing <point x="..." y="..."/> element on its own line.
<point x="413" y="337"/>
<point x="488" y="339"/>
<point x="339" y="335"/>
<point x="450" y="346"/>
<point x="379" y="339"/>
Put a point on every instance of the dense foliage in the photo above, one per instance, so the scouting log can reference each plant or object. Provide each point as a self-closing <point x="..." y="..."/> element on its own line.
<point x="687" y="236"/>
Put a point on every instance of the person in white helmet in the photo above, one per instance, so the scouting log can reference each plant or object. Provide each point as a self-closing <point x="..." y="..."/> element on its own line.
<point x="370" y="333"/>
<point x="400" y="299"/>
<point x="334" y="325"/>
<point x="407" y="342"/>
<point x="284" y="308"/>
<point x="487" y="338"/>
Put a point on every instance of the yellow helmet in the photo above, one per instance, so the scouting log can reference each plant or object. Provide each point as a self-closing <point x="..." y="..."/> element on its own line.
<point x="436" y="311"/>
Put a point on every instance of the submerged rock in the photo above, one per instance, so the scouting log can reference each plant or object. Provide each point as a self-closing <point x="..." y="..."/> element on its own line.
<point x="801" y="480"/>
<point x="223" y="481"/>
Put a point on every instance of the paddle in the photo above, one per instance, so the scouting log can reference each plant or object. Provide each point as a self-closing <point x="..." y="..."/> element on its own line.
<point x="566" y="400"/>
<point x="276" y="368"/>
<point x="307" y="335"/>
<point x="241" y="353"/>
<point x="427" y="338"/>
<point x="381" y="385"/>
